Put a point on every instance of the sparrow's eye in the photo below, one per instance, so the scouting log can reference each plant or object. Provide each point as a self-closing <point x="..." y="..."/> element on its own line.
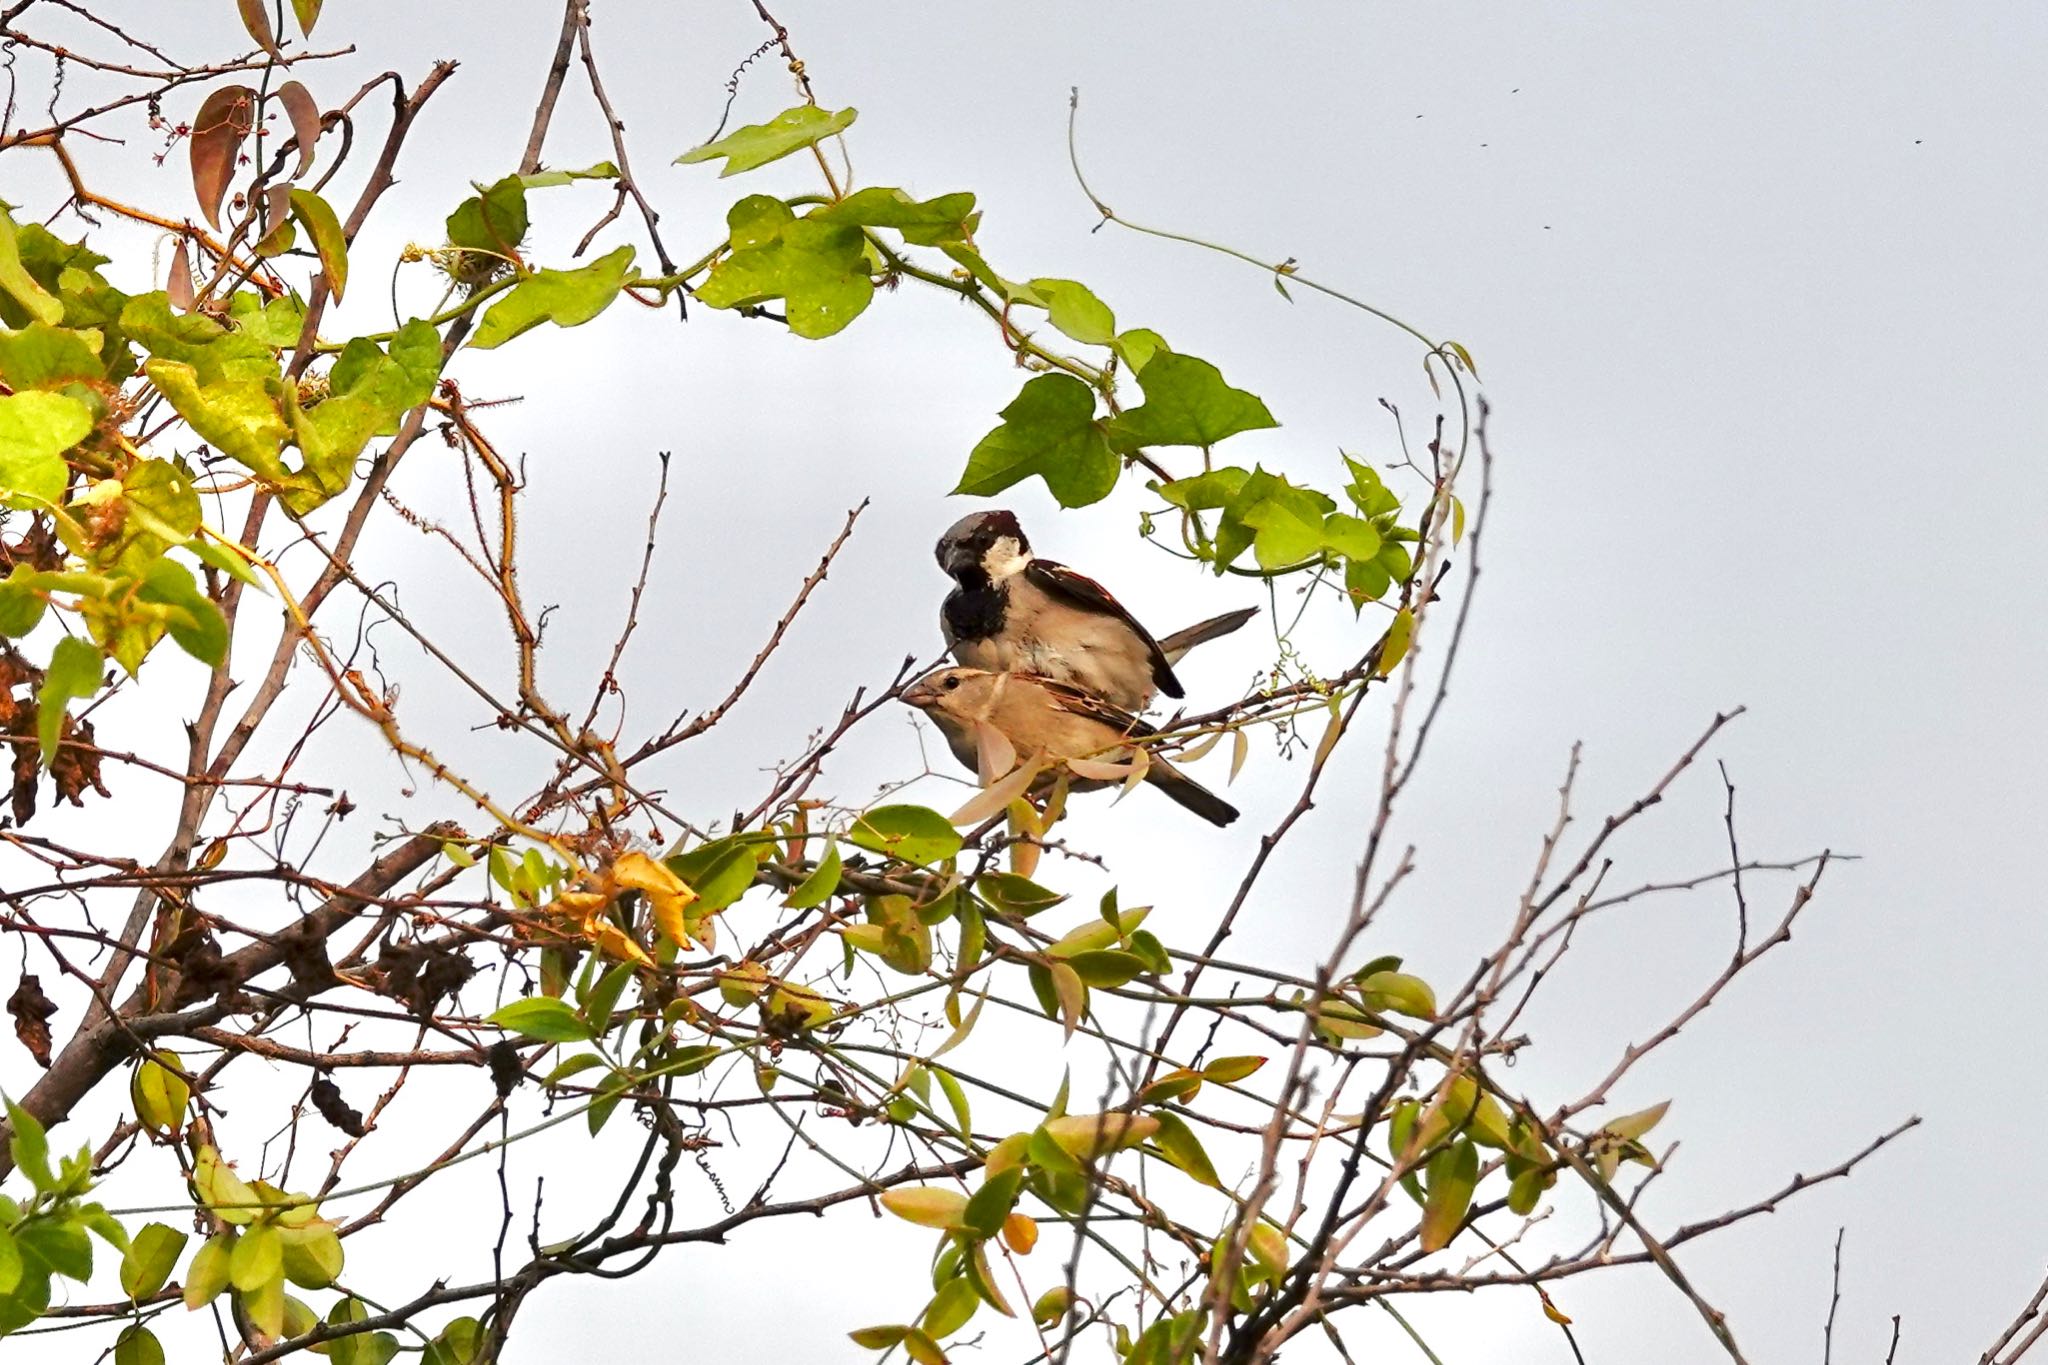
<point x="952" y="683"/>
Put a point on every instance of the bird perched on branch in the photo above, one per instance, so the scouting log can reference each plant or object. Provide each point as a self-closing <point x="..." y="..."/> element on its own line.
<point x="1011" y="610"/>
<point x="1014" y="724"/>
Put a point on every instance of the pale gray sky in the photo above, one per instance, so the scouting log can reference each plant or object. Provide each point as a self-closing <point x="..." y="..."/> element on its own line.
<point x="1756" y="292"/>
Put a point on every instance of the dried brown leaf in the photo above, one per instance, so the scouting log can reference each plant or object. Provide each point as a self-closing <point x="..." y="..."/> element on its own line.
<point x="336" y="1110"/>
<point x="32" y="1011"/>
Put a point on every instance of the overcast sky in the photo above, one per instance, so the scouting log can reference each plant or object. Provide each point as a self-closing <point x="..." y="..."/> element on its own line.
<point x="1756" y="290"/>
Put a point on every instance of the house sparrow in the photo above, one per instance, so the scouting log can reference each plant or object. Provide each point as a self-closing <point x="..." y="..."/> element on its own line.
<point x="1012" y="610"/>
<point x="1037" y="717"/>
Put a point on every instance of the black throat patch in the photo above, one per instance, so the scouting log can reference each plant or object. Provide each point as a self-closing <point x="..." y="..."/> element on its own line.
<point x="974" y="610"/>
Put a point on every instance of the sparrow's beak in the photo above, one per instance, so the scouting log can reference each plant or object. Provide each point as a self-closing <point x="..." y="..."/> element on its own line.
<point x="958" y="557"/>
<point x="922" y="695"/>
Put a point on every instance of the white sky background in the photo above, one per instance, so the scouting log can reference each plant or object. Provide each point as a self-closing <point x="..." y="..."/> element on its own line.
<point x="1756" y="293"/>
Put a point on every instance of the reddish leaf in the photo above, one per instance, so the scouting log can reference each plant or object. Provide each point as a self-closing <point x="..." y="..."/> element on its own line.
<point x="227" y="116"/>
<point x="32" y="1010"/>
<point x="305" y="116"/>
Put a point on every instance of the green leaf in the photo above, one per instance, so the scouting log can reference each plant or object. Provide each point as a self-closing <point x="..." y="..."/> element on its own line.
<point x="36" y="428"/>
<point x="312" y="1254"/>
<point x="1186" y="404"/>
<point x="1050" y="430"/>
<point x="1138" y="346"/>
<point x="10" y="1269"/>
<point x="275" y="322"/>
<point x="1226" y="1070"/>
<point x="390" y="383"/>
<point x="1399" y="992"/>
<point x="235" y="415"/>
<point x="567" y="298"/>
<point x="1453" y="1173"/>
<point x="878" y="1338"/>
<point x="1350" y="536"/>
<point x="208" y="1273"/>
<point x="549" y="1020"/>
<point x="137" y="1345"/>
<point x="17" y="283"/>
<point x="325" y="230"/>
<point x="1073" y="308"/>
<point x="604" y="997"/>
<point x="1400" y="634"/>
<point x="1287" y="524"/>
<point x="951" y="1309"/>
<point x="194" y="621"/>
<point x="21" y="606"/>
<point x="914" y="834"/>
<point x="150" y="1258"/>
<point x="492" y="221"/>
<point x="719" y="872"/>
<point x="757" y="144"/>
<point x="41" y="356"/>
<point x="818" y="887"/>
<point x="307" y="12"/>
<point x="603" y="170"/>
<point x="1178" y="1143"/>
<point x="1632" y="1126"/>
<point x="62" y="1247"/>
<point x="932" y="222"/>
<point x="1016" y="895"/>
<point x="956" y="1094"/>
<point x="1106" y="966"/>
<point x="458" y="1344"/>
<point x="1206" y="491"/>
<point x="257" y="1258"/>
<point x="820" y="269"/>
<point x="1051" y="1306"/>
<point x="992" y="1202"/>
<point x="74" y="672"/>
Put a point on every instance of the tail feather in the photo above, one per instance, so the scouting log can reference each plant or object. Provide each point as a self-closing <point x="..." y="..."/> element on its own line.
<point x="1190" y="794"/>
<point x="1176" y="645"/>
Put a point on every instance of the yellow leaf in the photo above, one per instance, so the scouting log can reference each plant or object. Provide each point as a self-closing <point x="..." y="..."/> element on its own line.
<point x="666" y="893"/>
<point x="1084" y="1135"/>
<point x="1020" y="1233"/>
<point x="928" y="1206"/>
<point x="616" y="942"/>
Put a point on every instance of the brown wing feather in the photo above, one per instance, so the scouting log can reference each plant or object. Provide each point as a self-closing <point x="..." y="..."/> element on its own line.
<point x="1079" y="590"/>
<point x="1088" y="704"/>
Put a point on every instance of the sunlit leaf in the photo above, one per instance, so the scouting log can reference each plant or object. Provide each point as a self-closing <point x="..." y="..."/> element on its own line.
<point x="927" y="1206"/>
<point x="1073" y="308"/>
<point x="551" y="1021"/>
<point x="914" y="834"/>
<point x="567" y="298"/>
<point x="757" y="144"/>
<point x="325" y="229"/>
<point x="819" y="269"/>
<point x="948" y="218"/>
<point x="1180" y="1146"/>
<point x="36" y="428"/>
<point x="74" y="672"/>
<point x="17" y="283"/>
